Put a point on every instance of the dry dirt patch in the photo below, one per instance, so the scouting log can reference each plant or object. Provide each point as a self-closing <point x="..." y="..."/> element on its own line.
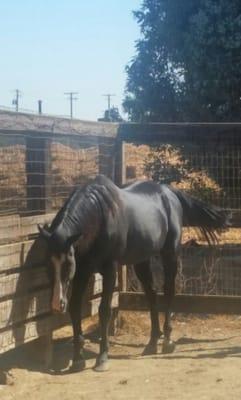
<point x="205" y="365"/>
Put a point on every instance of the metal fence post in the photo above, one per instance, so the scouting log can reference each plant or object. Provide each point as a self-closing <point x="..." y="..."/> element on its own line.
<point x="120" y="180"/>
<point x="120" y="167"/>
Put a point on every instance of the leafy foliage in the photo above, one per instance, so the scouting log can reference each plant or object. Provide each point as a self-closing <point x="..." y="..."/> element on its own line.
<point x="166" y="164"/>
<point x="111" y="115"/>
<point x="188" y="62"/>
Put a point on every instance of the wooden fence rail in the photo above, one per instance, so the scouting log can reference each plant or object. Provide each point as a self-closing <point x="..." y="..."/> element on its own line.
<point x="135" y="301"/>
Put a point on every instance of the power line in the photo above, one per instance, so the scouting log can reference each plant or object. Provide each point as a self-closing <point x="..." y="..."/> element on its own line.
<point x="71" y="99"/>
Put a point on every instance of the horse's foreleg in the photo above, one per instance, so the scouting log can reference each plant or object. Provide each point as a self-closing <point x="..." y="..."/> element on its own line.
<point x="144" y="274"/>
<point x="109" y="277"/>
<point x="170" y="271"/>
<point x="75" y="305"/>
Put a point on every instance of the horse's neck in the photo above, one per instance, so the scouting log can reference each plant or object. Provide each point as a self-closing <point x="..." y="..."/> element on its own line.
<point x="90" y="228"/>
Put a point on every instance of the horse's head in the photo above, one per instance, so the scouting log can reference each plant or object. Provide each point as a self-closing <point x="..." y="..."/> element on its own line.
<point x="62" y="258"/>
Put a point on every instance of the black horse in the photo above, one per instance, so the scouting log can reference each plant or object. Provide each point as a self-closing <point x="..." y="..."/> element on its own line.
<point x="110" y="226"/>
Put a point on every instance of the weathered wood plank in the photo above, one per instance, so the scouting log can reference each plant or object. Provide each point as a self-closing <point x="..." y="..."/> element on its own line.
<point x="122" y="278"/>
<point x="9" y="227"/>
<point x="95" y="303"/>
<point x="136" y="301"/>
<point x="27" y="123"/>
<point x="28" y="303"/>
<point x="14" y="255"/>
<point x="19" y="283"/>
<point x="29" y="254"/>
<point x="31" y="330"/>
<point x="29" y="225"/>
<point x="20" y="309"/>
<point x="95" y="285"/>
<point x="13" y="228"/>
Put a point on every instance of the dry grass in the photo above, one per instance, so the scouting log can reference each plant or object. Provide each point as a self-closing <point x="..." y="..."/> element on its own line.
<point x="12" y="178"/>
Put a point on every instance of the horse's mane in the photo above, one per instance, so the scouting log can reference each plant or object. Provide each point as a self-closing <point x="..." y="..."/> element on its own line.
<point x="99" y="196"/>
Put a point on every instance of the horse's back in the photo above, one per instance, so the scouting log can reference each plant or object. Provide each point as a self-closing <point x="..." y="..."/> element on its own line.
<point x="154" y="214"/>
<point x="146" y="221"/>
<point x="161" y="194"/>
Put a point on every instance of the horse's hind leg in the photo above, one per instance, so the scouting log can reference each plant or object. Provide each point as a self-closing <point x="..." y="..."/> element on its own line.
<point x="144" y="274"/>
<point x="170" y="263"/>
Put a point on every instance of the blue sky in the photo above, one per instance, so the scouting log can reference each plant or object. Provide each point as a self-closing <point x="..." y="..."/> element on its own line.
<point x="50" y="47"/>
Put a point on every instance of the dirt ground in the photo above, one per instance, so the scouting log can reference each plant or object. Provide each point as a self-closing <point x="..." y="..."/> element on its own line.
<point x="205" y="365"/>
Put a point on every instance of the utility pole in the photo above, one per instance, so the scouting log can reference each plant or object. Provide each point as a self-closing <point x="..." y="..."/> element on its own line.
<point x="15" y="101"/>
<point x="40" y="102"/>
<point x="71" y="99"/>
<point x="108" y="96"/>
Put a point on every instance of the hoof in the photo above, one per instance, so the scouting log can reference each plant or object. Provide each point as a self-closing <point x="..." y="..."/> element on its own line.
<point x="102" y="367"/>
<point x="77" y="366"/>
<point x="149" y="349"/>
<point x="168" y="347"/>
<point x="102" y="363"/>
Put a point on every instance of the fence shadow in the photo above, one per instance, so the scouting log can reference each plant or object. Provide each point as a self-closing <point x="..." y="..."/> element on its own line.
<point x="29" y="305"/>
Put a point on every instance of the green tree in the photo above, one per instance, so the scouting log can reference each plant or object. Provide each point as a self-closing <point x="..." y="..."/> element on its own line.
<point x="111" y="115"/>
<point x="188" y="62"/>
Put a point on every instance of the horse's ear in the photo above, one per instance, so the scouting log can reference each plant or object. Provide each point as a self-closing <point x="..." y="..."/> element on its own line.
<point x="43" y="232"/>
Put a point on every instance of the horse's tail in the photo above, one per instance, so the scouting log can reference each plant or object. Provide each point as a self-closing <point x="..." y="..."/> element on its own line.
<point x="210" y="219"/>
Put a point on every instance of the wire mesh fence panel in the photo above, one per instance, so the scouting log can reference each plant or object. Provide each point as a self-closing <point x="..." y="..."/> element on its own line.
<point x="13" y="176"/>
<point x="212" y="173"/>
<point x="202" y="271"/>
<point x="38" y="172"/>
<point x="209" y="168"/>
<point x="72" y="164"/>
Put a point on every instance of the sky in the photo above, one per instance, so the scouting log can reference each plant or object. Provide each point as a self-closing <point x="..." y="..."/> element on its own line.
<point x="50" y="47"/>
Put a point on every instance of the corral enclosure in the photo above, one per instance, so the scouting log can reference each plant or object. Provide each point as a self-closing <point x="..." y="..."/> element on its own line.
<point x="43" y="159"/>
